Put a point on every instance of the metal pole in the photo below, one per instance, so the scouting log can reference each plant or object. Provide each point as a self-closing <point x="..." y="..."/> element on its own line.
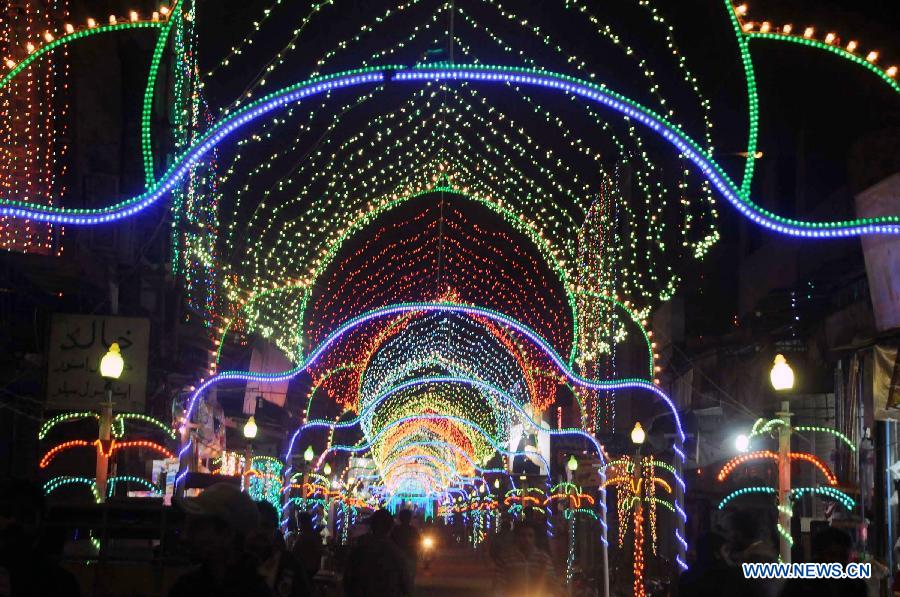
<point x="103" y="447"/>
<point x="680" y="548"/>
<point x="888" y="491"/>
<point x="303" y="492"/>
<point x="604" y="534"/>
<point x="248" y="464"/>
<point x="784" y="482"/>
<point x="639" y="590"/>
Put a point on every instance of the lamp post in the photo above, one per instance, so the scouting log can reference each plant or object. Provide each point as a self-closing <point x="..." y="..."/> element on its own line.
<point x="571" y="466"/>
<point x="111" y="366"/>
<point x="782" y="378"/>
<point x="637" y="438"/>
<point x="308" y="456"/>
<point x="250" y="431"/>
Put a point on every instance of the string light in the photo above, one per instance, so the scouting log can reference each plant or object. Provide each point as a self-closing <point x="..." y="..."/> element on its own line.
<point x="769" y="455"/>
<point x="113" y="446"/>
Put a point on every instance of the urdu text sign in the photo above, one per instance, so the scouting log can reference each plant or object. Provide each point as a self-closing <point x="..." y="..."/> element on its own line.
<point x="77" y="343"/>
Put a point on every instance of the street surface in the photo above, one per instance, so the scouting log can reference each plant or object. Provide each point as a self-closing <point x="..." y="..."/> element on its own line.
<point x="455" y="572"/>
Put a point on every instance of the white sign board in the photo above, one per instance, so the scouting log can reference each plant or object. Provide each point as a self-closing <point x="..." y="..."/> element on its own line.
<point x="77" y="343"/>
<point x="534" y="442"/>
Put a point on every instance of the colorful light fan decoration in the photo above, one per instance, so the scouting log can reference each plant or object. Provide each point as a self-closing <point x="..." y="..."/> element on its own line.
<point x="763" y="428"/>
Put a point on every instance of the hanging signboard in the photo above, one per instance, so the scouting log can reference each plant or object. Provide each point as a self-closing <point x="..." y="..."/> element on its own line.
<point x="77" y="343"/>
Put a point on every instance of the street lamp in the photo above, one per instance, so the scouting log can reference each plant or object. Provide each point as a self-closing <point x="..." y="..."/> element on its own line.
<point x="572" y="464"/>
<point x="111" y="366"/>
<point x="326" y="469"/>
<point x="781" y="375"/>
<point x="782" y="378"/>
<point x="250" y="428"/>
<point x="112" y="363"/>
<point x="637" y="438"/>
<point x="741" y="443"/>
<point x="637" y="434"/>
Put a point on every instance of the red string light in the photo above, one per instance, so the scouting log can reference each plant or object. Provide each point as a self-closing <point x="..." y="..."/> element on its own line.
<point x="769" y="455"/>
<point x="51" y="454"/>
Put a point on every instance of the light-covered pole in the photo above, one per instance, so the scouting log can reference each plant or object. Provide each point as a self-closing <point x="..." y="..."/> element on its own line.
<point x="637" y="438"/>
<point x="250" y="431"/>
<point x="782" y="378"/>
<point x="111" y="366"/>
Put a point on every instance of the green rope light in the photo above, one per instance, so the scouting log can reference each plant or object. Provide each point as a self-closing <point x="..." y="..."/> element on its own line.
<point x="147" y="109"/>
<point x="661" y="502"/>
<point x="833" y="49"/>
<point x="122" y="417"/>
<point x="752" y="100"/>
<point x="834" y="432"/>
<point x="64" y="418"/>
<point x="72" y="37"/>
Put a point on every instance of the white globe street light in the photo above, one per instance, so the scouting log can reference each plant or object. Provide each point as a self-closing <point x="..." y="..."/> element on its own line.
<point x="112" y="363"/>
<point x="637" y="434"/>
<point x="250" y="428"/>
<point x="781" y="376"/>
<point x="741" y="443"/>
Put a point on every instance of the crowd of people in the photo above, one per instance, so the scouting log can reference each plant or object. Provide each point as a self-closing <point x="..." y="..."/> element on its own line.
<point x="240" y="550"/>
<point x="719" y="558"/>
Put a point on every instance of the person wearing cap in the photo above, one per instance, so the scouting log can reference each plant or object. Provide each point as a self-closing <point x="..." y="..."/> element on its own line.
<point x="376" y="567"/>
<point x="218" y="521"/>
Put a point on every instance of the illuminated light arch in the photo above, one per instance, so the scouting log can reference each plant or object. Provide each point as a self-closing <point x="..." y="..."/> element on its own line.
<point x="429" y="426"/>
<point x="491" y="389"/>
<point x="409" y="453"/>
<point x="427" y="460"/>
<point x="367" y="445"/>
<point x="630" y="383"/>
<point x="769" y="455"/>
<point x="435" y="417"/>
<point x="388" y="202"/>
<point x="517" y="221"/>
<point x="516" y="364"/>
<point x="318" y="382"/>
<point x="453" y="447"/>
<point x="315" y="424"/>
<point x="471" y="73"/>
